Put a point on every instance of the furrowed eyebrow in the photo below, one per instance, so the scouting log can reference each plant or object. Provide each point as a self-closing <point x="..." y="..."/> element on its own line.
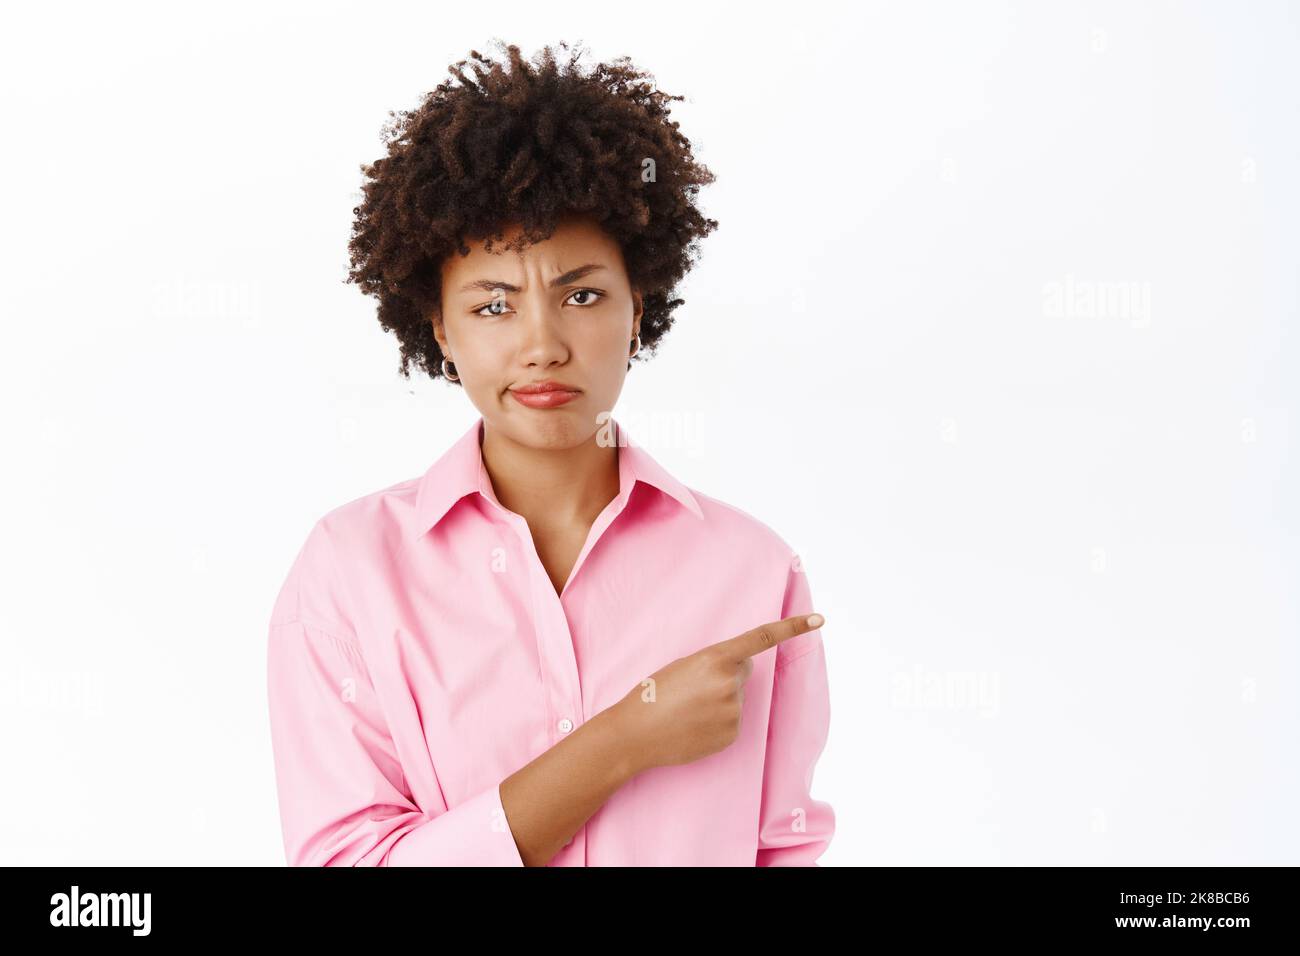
<point x="491" y="285"/>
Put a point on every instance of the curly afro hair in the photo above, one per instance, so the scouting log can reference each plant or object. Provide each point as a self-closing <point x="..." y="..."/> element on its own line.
<point x="526" y="144"/>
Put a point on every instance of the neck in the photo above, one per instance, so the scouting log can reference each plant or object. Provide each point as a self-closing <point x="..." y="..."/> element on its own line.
<point x="549" y="486"/>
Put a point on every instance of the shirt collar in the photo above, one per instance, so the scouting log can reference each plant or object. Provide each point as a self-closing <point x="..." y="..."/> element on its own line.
<point x="460" y="472"/>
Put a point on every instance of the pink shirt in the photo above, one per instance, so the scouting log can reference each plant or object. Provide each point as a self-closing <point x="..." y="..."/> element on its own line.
<point x="419" y="655"/>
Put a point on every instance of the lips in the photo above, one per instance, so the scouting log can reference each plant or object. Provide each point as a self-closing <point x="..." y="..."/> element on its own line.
<point x="549" y="385"/>
<point x="547" y="394"/>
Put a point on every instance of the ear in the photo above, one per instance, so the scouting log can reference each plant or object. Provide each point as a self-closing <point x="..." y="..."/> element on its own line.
<point x="638" y="309"/>
<point x="439" y="334"/>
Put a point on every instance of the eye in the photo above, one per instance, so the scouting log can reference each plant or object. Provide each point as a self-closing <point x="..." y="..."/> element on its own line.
<point x="495" y="307"/>
<point x="589" y="292"/>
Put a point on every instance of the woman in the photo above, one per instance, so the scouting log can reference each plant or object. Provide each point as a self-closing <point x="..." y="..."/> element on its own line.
<point x="546" y="650"/>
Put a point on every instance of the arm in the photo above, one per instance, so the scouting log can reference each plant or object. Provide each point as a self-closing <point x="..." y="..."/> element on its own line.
<point x="549" y="799"/>
<point x="343" y="797"/>
<point x="795" y="828"/>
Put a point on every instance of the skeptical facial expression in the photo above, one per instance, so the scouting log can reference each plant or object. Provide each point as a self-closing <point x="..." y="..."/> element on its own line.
<point x="559" y="312"/>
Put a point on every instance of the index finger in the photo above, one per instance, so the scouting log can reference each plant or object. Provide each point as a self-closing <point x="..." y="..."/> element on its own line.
<point x="769" y="635"/>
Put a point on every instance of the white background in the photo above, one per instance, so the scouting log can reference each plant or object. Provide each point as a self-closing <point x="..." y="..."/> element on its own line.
<point x="1055" y="543"/>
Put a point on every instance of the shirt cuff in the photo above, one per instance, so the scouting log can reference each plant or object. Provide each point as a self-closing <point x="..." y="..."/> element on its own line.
<point x="473" y="833"/>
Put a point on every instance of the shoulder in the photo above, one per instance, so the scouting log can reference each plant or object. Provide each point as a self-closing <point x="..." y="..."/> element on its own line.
<point x="375" y="519"/>
<point x="741" y="530"/>
<point x="322" y="573"/>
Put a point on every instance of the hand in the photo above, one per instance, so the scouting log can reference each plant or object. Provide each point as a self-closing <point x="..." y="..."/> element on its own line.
<point x="692" y="707"/>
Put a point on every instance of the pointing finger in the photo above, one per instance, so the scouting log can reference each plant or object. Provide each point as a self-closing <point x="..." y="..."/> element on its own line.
<point x="769" y="635"/>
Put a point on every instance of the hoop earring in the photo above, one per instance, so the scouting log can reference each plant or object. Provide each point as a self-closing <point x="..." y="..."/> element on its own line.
<point x="449" y="375"/>
<point x="636" y="347"/>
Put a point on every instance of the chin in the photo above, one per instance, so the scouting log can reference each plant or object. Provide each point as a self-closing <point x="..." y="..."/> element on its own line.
<point x="551" y="428"/>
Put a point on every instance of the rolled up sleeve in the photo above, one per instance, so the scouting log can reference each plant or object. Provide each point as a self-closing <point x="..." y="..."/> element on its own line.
<point x="344" y="800"/>
<point x="794" y="827"/>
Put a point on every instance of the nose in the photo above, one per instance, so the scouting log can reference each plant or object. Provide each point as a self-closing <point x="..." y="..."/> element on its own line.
<point x="542" y="341"/>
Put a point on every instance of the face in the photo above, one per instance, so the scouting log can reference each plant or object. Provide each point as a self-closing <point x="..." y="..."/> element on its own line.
<point x="559" y="311"/>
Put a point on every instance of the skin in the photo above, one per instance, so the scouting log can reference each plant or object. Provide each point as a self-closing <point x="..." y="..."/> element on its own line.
<point x="513" y="318"/>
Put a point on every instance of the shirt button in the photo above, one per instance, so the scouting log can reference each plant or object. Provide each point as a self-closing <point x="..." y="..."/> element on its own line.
<point x="566" y="725"/>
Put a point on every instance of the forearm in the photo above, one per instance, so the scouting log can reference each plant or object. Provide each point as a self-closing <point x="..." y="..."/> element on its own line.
<point x="549" y="799"/>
